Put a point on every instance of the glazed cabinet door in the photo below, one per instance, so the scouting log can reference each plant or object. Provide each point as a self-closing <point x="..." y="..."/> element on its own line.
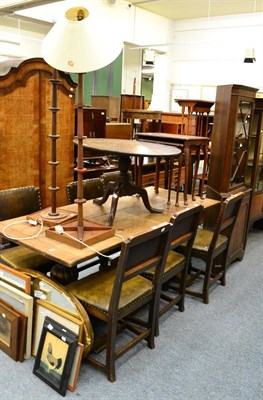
<point x="254" y="170"/>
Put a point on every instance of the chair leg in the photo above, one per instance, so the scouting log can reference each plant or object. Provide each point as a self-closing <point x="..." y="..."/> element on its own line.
<point x="206" y="286"/>
<point x="182" y="290"/>
<point x="110" y="355"/>
<point x="224" y="267"/>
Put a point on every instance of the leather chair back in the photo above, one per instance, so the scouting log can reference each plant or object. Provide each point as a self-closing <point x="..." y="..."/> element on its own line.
<point x="16" y="202"/>
<point x="92" y="188"/>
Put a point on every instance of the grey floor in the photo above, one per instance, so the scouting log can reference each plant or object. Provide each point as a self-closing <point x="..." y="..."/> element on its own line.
<point x="210" y="351"/>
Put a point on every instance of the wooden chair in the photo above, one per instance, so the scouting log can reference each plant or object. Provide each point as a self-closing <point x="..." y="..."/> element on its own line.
<point x="184" y="227"/>
<point x="14" y="203"/>
<point x="211" y="246"/>
<point x="92" y="188"/>
<point x="115" y="294"/>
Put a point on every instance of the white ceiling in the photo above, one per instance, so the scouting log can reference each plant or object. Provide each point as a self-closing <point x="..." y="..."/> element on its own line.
<point x="187" y="9"/>
<point x="173" y="9"/>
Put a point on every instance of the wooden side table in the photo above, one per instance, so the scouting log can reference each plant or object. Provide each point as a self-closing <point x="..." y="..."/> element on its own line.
<point x="142" y="115"/>
<point x="200" y="107"/>
<point x="187" y="144"/>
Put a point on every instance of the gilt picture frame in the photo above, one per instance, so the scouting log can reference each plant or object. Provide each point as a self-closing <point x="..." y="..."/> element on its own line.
<point x="55" y="355"/>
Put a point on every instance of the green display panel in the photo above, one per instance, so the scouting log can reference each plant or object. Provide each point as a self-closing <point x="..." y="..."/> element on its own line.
<point x="104" y="82"/>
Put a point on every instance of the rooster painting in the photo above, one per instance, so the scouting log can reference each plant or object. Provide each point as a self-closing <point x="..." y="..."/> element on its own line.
<point x="53" y="362"/>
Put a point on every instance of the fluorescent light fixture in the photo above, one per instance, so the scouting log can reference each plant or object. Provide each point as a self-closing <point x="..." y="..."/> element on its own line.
<point x="250" y="56"/>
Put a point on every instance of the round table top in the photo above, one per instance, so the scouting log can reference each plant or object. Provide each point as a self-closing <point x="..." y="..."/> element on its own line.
<point x="130" y="147"/>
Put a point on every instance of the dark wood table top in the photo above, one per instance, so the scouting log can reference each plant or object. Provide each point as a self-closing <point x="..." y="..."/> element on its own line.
<point x="130" y="148"/>
<point x="172" y="138"/>
<point x="141" y="113"/>
<point x="195" y="103"/>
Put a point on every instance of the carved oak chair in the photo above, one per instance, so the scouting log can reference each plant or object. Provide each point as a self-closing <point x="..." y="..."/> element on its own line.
<point x="14" y="203"/>
<point x="92" y="188"/>
<point x="211" y="246"/>
<point x="183" y="231"/>
<point x="115" y="294"/>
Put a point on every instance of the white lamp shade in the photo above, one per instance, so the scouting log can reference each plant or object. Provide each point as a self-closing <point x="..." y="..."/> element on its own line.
<point x="85" y="45"/>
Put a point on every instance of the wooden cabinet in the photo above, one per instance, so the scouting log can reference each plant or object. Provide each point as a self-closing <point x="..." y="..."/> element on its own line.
<point x="25" y="126"/>
<point x="94" y="126"/>
<point x="94" y="122"/>
<point x="229" y="156"/>
<point x="110" y="103"/>
<point x="254" y="171"/>
<point x="132" y="101"/>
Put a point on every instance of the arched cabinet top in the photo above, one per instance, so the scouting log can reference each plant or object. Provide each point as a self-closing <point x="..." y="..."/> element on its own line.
<point x="17" y="76"/>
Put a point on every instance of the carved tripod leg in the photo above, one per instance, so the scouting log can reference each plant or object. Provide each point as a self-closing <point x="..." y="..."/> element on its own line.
<point x="133" y="189"/>
<point x="111" y="186"/>
<point x="114" y="202"/>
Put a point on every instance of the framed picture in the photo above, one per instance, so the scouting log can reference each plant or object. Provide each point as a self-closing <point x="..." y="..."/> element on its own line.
<point x="45" y="309"/>
<point x="15" y="278"/>
<point x="72" y="383"/>
<point x="9" y="331"/>
<point x="23" y="303"/>
<point x="21" y="329"/>
<point x="55" y="355"/>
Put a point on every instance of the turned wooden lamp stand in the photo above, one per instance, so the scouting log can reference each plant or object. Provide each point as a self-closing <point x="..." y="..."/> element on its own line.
<point x="76" y="44"/>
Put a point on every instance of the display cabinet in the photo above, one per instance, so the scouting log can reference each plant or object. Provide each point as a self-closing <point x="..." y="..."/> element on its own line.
<point x="254" y="169"/>
<point x="231" y="141"/>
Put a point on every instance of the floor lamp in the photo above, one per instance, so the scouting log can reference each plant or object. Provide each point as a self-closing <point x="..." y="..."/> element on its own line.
<point x="84" y="39"/>
<point x="54" y="214"/>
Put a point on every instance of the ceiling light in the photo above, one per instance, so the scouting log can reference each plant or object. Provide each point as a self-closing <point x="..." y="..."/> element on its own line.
<point x="250" y="56"/>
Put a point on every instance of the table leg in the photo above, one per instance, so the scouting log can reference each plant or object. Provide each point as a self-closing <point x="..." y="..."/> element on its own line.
<point x="180" y="163"/>
<point x="205" y="151"/>
<point x="170" y="162"/>
<point x="187" y="156"/>
<point x="110" y="188"/>
<point x="63" y="275"/>
<point x="124" y="187"/>
<point x="197" y="161"/>
<point x="157" y="175"/>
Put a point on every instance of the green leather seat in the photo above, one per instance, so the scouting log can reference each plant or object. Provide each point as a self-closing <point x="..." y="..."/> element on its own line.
<point x="20" y="257"/>
<point x="96" y="290"/>
<point x="203" y="240"/>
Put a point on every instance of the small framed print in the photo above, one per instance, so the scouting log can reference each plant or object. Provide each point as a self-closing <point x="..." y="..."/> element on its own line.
<point x="21" y="329"/>
<point x="9" y="331"/>
<point x="15" y="278"/>
<point x="73" y="379"/>
<point x="55" y="355"/>
<point x="23" y="303"/>
<point x="45" y="309"/>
